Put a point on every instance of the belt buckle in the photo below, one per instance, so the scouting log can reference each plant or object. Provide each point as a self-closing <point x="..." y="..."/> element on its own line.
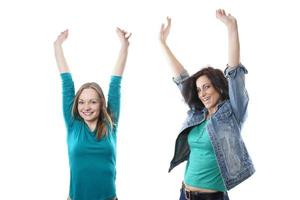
<point x="187" y="194"/>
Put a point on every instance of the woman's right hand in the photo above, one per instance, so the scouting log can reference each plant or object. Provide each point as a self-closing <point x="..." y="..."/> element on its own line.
<point x="176" y="66"/>
<point x="59" y="54"/>
<point x="61" y="38"/>
<point x="165" y="30"/>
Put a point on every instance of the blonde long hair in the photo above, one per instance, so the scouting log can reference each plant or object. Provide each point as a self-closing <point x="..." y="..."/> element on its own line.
<point x="104" y="122"/>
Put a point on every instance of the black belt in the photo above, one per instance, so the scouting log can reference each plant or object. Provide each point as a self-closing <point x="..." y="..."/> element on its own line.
<point x="194" y="195"/>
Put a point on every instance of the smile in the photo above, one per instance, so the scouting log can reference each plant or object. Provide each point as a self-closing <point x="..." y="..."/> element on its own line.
<point x="87" y="113"/>
<point x="205" y="99"/>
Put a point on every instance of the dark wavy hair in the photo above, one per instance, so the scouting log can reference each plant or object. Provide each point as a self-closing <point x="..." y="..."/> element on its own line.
<point x="189" y="88"/>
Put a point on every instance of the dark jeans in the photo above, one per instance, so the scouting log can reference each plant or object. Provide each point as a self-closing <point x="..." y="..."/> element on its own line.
<point x="205" y="196"/>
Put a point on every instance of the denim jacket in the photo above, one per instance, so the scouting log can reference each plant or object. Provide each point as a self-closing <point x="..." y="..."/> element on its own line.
<point x="224" y="129"/>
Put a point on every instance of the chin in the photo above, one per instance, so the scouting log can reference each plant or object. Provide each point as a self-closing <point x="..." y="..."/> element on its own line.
<point x="90" y="119"/>
<point x="207" y="107"/>
<point x="85" y="118"/>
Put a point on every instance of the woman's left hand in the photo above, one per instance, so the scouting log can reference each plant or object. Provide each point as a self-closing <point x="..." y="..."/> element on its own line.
<point x="123" y="36"/>
<point x="227" y="19"/>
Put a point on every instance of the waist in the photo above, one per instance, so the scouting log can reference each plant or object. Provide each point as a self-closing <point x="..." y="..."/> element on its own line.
<point x="199" y="193"/>
<point x="196" y="189"/>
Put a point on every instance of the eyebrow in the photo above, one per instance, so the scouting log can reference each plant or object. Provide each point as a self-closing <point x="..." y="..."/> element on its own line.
<point x="204" y="85"/>
<point x="89" y="100"/>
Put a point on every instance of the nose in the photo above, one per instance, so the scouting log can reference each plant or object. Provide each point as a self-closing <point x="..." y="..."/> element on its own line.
<point x="202" y="93"/>
<point x="86" y="107"/>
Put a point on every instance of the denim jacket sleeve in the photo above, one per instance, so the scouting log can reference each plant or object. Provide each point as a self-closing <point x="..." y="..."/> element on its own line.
<point x="179" y="80"/>
<point x="238" y="95"/>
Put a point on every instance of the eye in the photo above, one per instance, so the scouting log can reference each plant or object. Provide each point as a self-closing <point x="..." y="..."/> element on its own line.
<point x="94" y="102"/>
<point x="198" y="90"/>
<point x="80" y="102"/>
<point x="206" y="86"/>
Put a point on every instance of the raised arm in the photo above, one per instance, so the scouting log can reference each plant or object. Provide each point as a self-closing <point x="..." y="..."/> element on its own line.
<point x="59" y="54"/>
<point x="233" y="37"/>
<point x="235" y="73"/>
<point x="121" y="61"/>
<point x="176" y="67"/>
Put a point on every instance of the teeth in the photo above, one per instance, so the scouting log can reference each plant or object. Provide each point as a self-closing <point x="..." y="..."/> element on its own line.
<point x="87" y="113"/>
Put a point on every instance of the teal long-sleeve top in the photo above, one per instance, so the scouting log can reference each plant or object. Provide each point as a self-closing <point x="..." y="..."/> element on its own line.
<point x="92" y="161"/>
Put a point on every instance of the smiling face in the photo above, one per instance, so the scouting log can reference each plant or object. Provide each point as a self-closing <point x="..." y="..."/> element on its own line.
<point x="89" y="105"/>
<point x="207" y="93"/>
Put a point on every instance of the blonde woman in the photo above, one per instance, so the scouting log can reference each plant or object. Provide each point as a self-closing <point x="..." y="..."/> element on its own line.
<point x="91" y="127"/>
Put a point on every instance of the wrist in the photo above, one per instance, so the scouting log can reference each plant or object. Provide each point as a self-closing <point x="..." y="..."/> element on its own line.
<point x="124" y="48"/>
<point x="124" y="43"/>
<point x="57" y="44"/>
<point x="232" y="26"/>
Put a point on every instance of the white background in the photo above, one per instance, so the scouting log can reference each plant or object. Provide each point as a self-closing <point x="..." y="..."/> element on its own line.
<point x="33" y="151"/>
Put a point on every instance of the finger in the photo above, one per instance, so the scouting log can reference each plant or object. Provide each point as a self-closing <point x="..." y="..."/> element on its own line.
<point x="218" y="12"/>
<point x="169" y="21"/>
<point x="223" y="12"/>
<point x="63" y="32"/>
<point x="127" y="37"/>
<point x="162" y="27"/>
<point x="120" y="31"/>
<point x="124" y="33"/>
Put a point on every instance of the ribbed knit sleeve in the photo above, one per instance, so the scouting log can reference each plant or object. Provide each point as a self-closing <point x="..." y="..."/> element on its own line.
<point x="114" y="94"/>
<point x="68" y="94"/>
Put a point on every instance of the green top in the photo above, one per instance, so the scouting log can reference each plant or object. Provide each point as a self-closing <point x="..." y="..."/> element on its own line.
<point x="202" y="169"/>
<point x="92" y="161"/>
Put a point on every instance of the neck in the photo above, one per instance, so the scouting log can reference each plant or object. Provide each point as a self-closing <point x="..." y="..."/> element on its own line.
<point x="211" y="112"/>
<point x="91" y="124"/>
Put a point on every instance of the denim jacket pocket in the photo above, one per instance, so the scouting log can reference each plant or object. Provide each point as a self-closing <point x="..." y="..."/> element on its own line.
<point x="224" y="112"/>
<point x="224" y="116"/>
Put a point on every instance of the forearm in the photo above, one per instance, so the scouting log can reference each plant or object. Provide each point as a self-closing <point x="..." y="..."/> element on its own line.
<point x="114" y="94"/>
<point x="121" y="61"/>
<point x="176" y="67"/>
<point x="233" y="45"/>
<point x="60" y="59"/>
